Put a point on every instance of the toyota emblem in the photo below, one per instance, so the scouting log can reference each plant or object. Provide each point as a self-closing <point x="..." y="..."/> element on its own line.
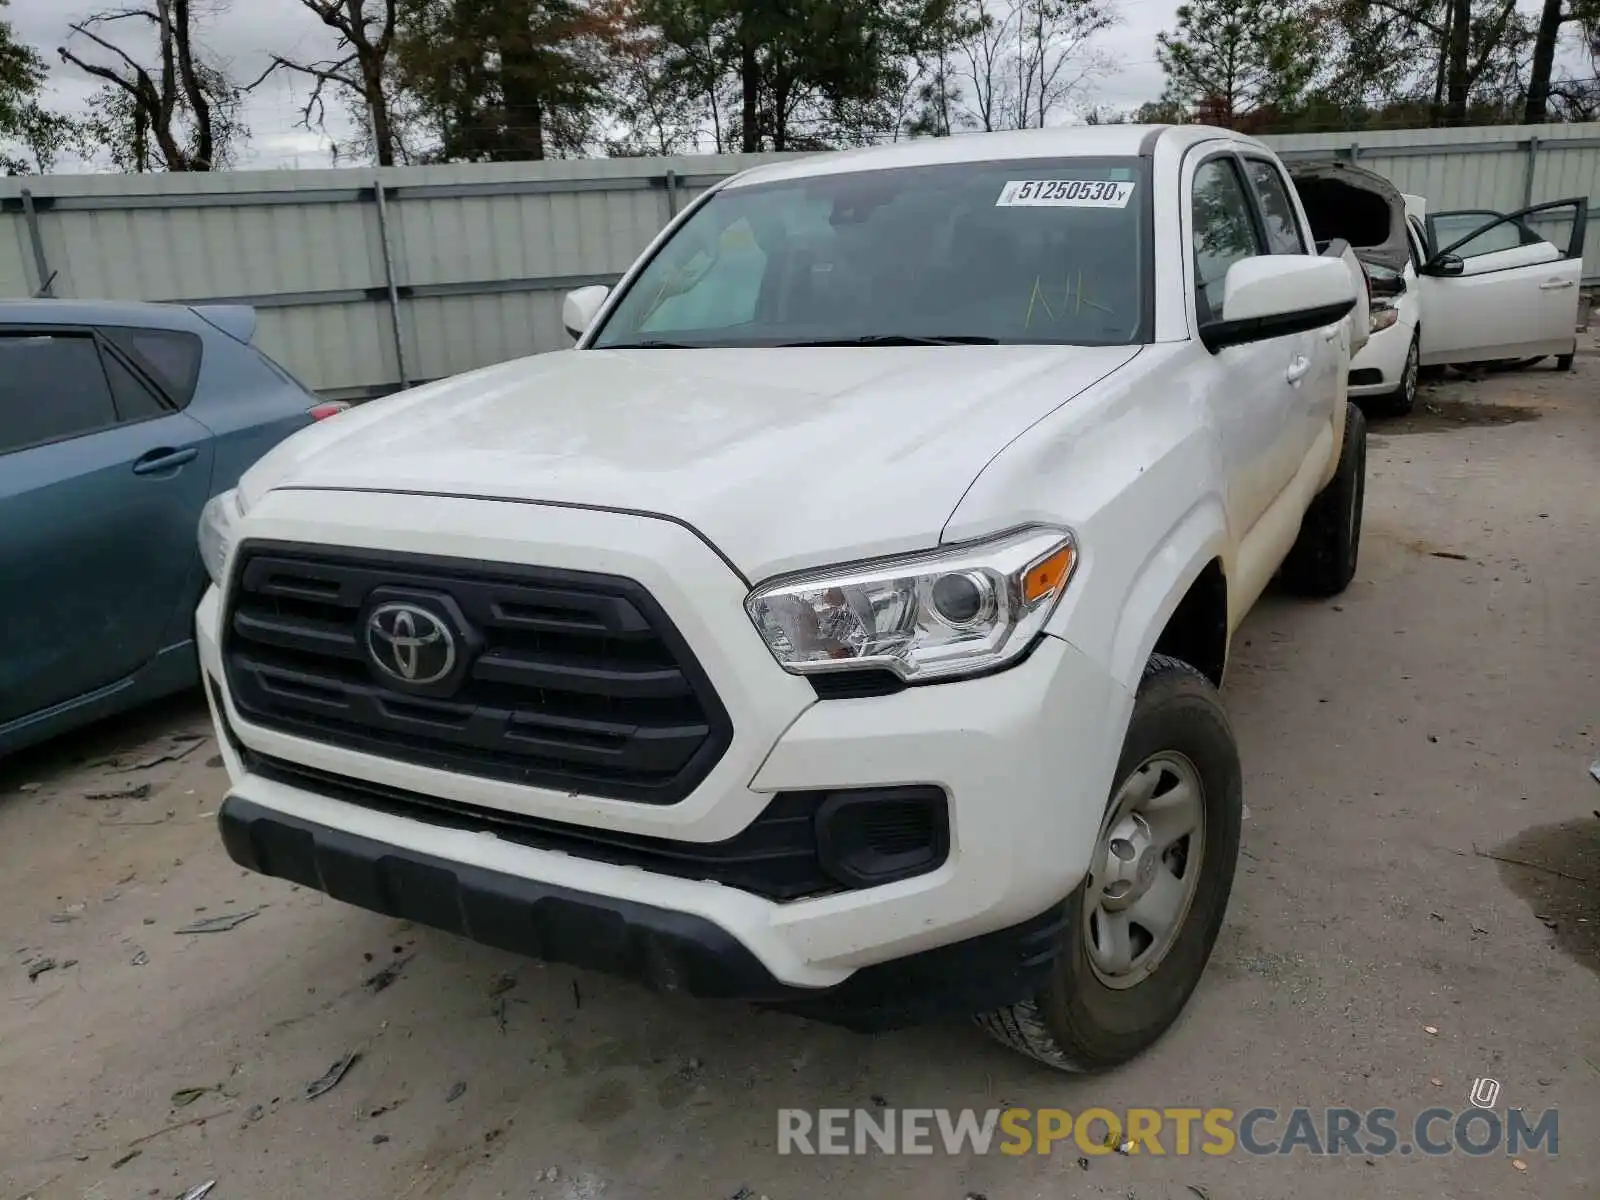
<point x="410" y="643"/>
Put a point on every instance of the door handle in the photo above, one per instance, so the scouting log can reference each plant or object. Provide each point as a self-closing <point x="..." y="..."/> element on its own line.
<point x="1297" y="368"/>
<point x="1555" y="285"/>
<point x="164" y="459"/>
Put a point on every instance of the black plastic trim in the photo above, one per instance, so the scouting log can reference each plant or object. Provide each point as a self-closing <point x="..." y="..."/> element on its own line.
<point x="856" y="685"/>
<point x="845" y="834"/>
<point x="1147" y="144"/>
<point x="670" y="951"/>
<point x="879" y="681"/>
<point x="774" y="857"/>
<point x="1220" y="334"/>
<point x="470" y="753"/>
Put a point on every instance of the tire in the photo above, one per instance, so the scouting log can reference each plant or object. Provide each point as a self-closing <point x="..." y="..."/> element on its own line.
<point x="1564" y="361"/>
<point x="1080" y="1022"/>
<point x="1322" y="561"/>
<point x="1400" y="401"/>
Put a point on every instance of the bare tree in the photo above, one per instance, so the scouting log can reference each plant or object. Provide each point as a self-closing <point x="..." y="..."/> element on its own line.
<point x="366" y="30"/>
<point x="1056" y="60"/>
<point x="146" y="109"/>
<point x="1021" y="61"/>
<point x="982" y="66"/>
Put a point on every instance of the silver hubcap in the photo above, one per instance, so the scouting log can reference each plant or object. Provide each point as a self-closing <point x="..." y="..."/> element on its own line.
<point x="1145" y="870"/>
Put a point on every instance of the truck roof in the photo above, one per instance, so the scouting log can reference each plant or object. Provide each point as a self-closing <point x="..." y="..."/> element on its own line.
<point x="1070" y="141"/>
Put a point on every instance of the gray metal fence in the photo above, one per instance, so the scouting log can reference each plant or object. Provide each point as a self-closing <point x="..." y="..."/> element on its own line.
<point x="369" y="280"/>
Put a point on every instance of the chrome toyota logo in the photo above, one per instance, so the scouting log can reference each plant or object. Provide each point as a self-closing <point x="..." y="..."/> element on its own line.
<point x="409" y="643"/>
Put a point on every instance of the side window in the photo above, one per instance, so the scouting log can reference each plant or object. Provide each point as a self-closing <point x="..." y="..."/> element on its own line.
<point x="135" y="401"/>
<point x="169" y="356"/>
<point x="1507" y="235"/>
<point x="1418" y="241"/>
<point x="1283" y="227"/>
<point x="1224" y="232"/>
<point x="52" y="386"/>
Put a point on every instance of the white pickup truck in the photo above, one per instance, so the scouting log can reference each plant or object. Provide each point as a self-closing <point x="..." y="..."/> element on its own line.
<point x="839" y="625"/>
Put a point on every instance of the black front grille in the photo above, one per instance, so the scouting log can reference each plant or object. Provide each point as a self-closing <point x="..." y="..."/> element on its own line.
<point x="775" y="856"/>
<point x="563" y="679"/>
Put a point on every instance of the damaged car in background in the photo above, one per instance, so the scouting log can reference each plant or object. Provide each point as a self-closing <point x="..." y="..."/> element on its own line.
<point x="1469" y="286"/>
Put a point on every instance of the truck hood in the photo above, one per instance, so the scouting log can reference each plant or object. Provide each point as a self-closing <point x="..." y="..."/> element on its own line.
<point x="781" y="457"/>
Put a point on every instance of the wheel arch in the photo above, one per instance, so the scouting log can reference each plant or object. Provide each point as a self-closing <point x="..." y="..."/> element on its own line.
<point x="1170" y="601"/>
<point x="1197" y="630"/>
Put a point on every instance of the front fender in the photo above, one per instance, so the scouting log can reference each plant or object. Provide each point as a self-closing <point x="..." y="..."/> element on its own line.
<point x="1133" y="468"/>
<point x="1161" y="583"/>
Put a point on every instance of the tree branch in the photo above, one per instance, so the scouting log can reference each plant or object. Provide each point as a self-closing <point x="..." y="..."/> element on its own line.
<point x="326" y="70"/>
<point x="1412" y="15"/>
<point x="82" y="27"/>
<point x="97" y="71"/>
<point x="121" y="14"/>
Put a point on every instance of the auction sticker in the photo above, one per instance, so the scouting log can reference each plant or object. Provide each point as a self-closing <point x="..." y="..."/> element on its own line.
<point x="1065" y="193"/>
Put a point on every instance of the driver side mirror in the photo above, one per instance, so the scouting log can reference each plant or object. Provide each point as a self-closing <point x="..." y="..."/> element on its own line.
<point x="1446" y="264"/>
<point x="581" y="306"/>
<point x="1275" y="295"/>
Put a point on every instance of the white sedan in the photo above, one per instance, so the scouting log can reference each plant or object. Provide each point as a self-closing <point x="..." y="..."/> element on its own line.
<point x="1466" y="286"/>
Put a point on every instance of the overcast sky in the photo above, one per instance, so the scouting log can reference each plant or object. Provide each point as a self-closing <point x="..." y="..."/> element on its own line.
<point x="247" y="31"/>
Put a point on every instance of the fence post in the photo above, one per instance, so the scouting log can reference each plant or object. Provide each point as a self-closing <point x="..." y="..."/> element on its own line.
<point x="672" y="194"/>
<point x="47" y="278"/>
<point x="389" y="283"/>
<point x="1355" y="150"/>
<point x="1533" y="162"/>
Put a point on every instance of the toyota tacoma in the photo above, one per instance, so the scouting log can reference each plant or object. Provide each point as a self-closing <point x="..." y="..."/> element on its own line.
<point x="838" y="626"/>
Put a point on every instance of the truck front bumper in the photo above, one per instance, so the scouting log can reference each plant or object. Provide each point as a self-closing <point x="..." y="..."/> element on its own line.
<point x="668" y="950"/>
<point x="1024" y="759"/>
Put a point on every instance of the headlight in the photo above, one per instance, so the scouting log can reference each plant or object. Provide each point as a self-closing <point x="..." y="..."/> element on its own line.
<point x="218" y="520"/>
<point x="1381" y="317"/>
<point x="958" y="611"/>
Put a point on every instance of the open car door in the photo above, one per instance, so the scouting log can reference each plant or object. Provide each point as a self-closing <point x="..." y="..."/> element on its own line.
<point x="1502" y="285"/>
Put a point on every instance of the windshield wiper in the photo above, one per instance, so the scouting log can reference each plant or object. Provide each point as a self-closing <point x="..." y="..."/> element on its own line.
<point x="649" y="344"/>
<point x="900" y="339"/>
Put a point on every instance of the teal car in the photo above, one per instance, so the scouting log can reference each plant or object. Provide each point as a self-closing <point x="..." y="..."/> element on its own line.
<point x="117" y="423"/>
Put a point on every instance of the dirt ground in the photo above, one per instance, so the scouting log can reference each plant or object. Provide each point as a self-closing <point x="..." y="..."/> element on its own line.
<point x="1401" y="745"/>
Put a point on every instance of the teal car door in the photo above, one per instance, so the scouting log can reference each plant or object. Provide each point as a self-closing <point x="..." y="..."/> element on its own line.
<point x="101" y="484"/>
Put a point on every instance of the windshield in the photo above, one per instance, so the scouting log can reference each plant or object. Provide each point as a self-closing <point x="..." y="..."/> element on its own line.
<point x="1042" y="251"/>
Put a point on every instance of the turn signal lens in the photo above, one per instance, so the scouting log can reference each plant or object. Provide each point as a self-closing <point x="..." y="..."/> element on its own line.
<point x="1049" y="574"/>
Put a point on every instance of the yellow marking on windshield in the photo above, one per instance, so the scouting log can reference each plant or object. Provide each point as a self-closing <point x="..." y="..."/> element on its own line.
<point x="1073" y="296"/>
<point x="1037" y="298"/>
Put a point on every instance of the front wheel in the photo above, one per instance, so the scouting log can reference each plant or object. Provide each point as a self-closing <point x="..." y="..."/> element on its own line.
<point x="1140" y="927"/>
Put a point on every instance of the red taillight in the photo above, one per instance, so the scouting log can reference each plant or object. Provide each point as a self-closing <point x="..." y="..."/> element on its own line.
<point x="328" y="408"/>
